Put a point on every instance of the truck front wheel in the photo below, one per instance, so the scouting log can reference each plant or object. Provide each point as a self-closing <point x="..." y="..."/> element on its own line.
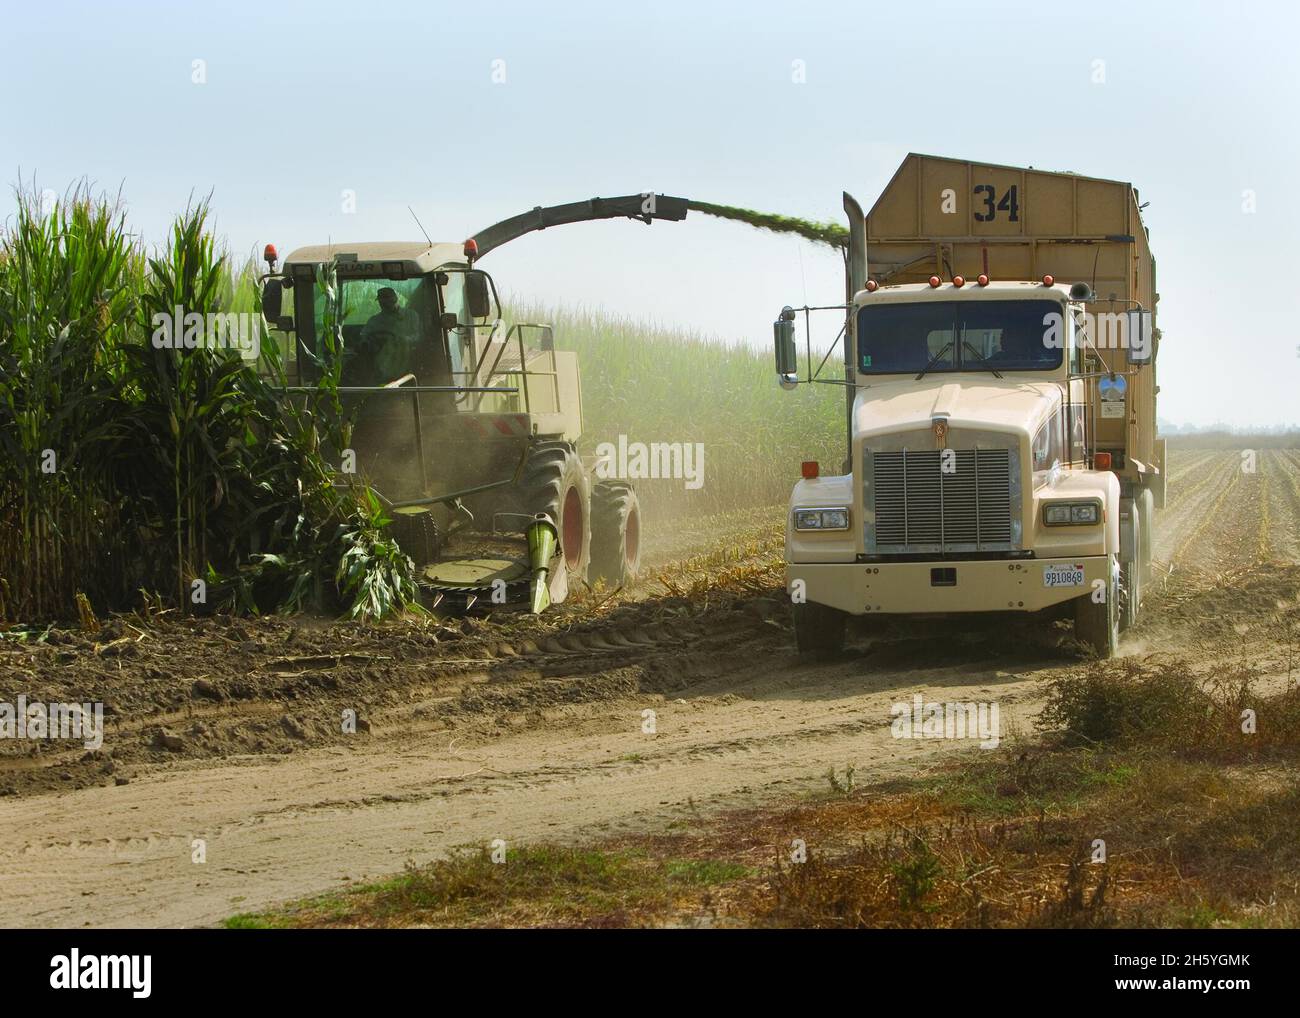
<point x="818" y="630"/>
<point x="1096" y="623"/>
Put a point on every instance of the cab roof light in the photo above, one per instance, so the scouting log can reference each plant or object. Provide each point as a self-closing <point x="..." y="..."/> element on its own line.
<point x="872" y="286"/>
<point x="1101" y="461"/>
<point x="1048" y="280"/>
<point x="811" y="470"/>
<point x="959" y="281"/>
<point x="935" y="281"/>
<point x="983" y="280"/>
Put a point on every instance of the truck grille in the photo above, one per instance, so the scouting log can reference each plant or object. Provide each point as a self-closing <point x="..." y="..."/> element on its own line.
<point x="917" y="503"/>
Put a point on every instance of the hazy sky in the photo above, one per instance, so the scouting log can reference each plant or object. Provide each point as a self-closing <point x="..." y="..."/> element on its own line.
<point x="397" y="103"/>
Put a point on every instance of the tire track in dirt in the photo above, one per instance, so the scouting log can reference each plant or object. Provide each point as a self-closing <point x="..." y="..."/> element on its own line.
<point x="759" y="724"/>
<point x="546" y="742"/>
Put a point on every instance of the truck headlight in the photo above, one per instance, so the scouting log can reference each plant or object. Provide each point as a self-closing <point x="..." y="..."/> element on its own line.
<point x="1071" y="514"/>
<point x="835" y="518"/>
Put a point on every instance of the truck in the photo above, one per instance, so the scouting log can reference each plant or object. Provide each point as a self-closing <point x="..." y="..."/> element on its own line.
<point x="464" y="427"/>
<point x="1000" y="354"/>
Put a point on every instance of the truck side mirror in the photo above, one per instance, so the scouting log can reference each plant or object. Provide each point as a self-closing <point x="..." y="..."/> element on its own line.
<point x="1141" y="336"/>
<point x="478" y="295"/>
<point x="787" y="360"/>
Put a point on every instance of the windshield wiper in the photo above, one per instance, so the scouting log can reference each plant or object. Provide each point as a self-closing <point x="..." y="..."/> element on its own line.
<point x="979" y="357"/>
<point x="933" y="361"/>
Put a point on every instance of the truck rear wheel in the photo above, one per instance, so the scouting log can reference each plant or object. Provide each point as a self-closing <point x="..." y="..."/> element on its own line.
<point x="1131" y="576"/>
<point x="553" y="482"/>
<point x="1146" y="506"/>
<point x="615" y="534"/>
<point x="818" y="630"/>
<point x="1096" y="624"/>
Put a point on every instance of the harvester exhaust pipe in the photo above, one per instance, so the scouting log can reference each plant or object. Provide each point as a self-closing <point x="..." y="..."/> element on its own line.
<point x="542" y="539"/>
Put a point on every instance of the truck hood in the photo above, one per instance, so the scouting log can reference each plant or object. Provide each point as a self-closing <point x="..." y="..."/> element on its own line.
<point x="1010" y="405"/>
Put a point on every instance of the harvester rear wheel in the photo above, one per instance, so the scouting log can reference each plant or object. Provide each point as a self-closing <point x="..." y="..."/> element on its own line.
<point x="818" y="629"/>
<point x="553" y="482"/>
<point x="615" y="533"/>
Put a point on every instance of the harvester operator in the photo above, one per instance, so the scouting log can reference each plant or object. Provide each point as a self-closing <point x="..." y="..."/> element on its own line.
<point x="393" y="335"/>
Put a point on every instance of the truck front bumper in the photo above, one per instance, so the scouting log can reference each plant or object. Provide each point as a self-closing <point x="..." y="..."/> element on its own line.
<point x="862" y="588"/>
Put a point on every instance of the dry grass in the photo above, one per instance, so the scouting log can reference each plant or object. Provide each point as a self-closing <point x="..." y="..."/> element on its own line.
<point x="1165" y="704"/>
<point x="1144" y="810"/>
<point x="543" y="885"/>
<point x="1018" y="843"/>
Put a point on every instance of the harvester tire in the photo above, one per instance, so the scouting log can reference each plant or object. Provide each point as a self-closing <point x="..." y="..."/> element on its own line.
<point x="416" y="535"/>
<point x="615" y="534"/>
<point x="1096" y="625"/>
<point x="553" y="482"/>
<point x="818" y="629"/>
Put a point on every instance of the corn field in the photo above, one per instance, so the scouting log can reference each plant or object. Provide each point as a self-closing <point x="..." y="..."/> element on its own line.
<point x="137" y="474"/>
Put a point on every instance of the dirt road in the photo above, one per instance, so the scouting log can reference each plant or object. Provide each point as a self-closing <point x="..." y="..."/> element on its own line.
<point x="231" y="735"/>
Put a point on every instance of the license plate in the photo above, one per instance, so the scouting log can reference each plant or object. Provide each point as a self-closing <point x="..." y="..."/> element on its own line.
<point x="1063" y="576"/>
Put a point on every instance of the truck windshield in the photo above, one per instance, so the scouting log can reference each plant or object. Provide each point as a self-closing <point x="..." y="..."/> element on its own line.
<point x="1003" y="335"/>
